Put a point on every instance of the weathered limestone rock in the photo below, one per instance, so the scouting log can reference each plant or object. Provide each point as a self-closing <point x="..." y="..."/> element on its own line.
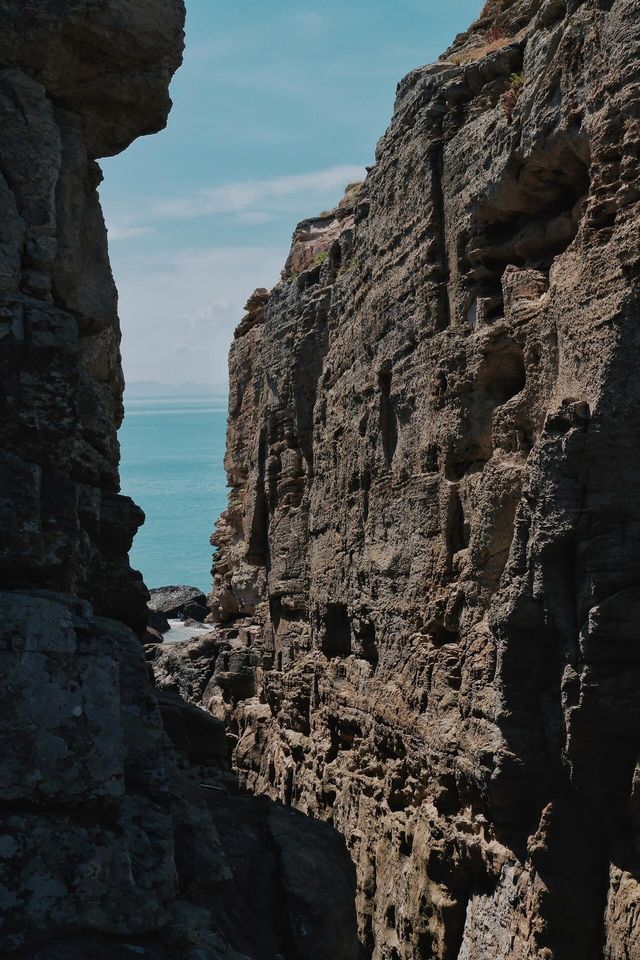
<point x="430" y="562"/>
<point x="106" y="831"/>
<point x="109" y="63"/>
<point x="173" y="601"/>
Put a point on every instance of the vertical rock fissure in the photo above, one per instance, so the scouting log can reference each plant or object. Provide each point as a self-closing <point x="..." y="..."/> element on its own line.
<point x="436" y="160"/>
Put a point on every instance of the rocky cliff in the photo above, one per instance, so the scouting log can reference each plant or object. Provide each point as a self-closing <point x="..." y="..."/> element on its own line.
<point x="78" y="81"/>
<point x="428" y="576"/>
<point x="116" y="840"/>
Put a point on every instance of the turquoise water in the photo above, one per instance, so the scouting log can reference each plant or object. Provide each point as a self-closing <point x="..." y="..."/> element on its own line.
<point x="172" y="453"/>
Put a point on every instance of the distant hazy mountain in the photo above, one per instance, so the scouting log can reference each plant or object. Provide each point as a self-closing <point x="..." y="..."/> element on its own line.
<point x="139" y="389"/>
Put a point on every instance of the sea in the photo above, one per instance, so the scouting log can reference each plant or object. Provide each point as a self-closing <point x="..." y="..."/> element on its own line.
<point x="172" y="452"/>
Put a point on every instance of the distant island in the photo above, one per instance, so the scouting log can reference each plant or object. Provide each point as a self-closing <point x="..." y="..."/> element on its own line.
<point x="144" y="389"/>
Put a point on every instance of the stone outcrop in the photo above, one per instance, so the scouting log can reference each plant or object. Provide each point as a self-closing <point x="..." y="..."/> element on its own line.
<point x="428" y="578"/>
<point x="174" y="601"/>
<point x="79" y="80"/>
<point x="123" y="831"/>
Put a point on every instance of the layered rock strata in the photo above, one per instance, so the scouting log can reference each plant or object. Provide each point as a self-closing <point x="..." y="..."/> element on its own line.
<point x="116" y="839"/>
<point x="77" y="81"/>
<point x="428" y="575"/>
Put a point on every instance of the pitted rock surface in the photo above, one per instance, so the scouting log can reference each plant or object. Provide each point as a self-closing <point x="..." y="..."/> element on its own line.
<point x="428" y="576"/>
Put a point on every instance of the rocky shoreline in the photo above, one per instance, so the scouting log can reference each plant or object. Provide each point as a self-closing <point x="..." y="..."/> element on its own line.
<point x="175" y="614"/>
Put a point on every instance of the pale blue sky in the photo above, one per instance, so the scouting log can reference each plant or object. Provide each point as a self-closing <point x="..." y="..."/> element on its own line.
<point x="277" y="106"/>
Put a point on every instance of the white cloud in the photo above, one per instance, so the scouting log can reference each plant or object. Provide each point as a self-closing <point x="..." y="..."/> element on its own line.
<point x="178" y="311"/>
<point x="244" y="195"/>
<point x="310" y="22"/>
<point x="117" y="232"/>
<point x="255" y="197"/>
<point x="253" y="217"/>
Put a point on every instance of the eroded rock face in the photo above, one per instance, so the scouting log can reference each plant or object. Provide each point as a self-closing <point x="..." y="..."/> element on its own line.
<point x="77" y="80"/>
<point x="112" y="843"/>
<point x="431" y="557"/>
<point x="107" y="61"/>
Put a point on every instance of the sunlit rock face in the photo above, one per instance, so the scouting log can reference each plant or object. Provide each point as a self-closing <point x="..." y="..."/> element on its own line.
<point x="429" y="567"/>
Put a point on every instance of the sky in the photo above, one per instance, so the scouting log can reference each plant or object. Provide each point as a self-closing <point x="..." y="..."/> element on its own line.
<point x="278" y="105"/>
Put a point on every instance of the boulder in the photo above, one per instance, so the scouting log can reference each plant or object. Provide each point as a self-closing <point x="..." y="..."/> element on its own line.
<point x="158" y="621"/>
<point x="196" y="611"/>
<point x="171" y="601"/>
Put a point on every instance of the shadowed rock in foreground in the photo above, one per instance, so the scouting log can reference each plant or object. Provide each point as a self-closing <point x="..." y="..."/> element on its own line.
<point x="116" y="837"/>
